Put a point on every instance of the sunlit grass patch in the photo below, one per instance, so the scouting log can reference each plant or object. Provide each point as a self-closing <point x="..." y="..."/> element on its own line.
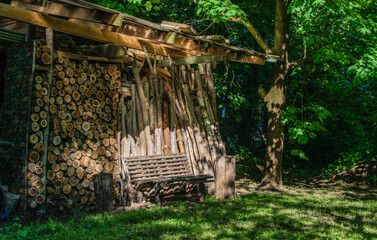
<point x="252" y="216"/>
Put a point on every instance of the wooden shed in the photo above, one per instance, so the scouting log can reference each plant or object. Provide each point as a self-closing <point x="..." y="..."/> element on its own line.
<point x="85" y="87"/>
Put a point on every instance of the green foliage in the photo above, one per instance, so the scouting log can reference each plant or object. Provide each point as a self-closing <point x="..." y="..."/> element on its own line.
<point x="302" y="130"/>
<point x="346" y="161"/>
<point x="374" y="179"/>
<point x="219" y="10"/>
<point x="132" y="7"/>
<point x="340" y="31"/>
<point x="247" y="163"/>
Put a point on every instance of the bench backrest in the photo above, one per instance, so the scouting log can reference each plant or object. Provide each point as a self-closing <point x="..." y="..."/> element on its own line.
<point x="155" y="167"/>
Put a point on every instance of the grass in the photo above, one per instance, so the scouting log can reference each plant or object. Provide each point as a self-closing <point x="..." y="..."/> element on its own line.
<point x="313" y="215"/>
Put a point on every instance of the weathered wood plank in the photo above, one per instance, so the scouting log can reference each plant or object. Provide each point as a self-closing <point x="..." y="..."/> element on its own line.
<point x="160" y="165"/>
<point x="158" y="174"/>
<point x="81" y="30"/>
<point x="62" y="10"/>
<point x="188" y="177"/>
<point x="81" y="57"/>
<point x="152" y="157"/>
<point x="180" y="161"/>
<point x="170" y="170"/>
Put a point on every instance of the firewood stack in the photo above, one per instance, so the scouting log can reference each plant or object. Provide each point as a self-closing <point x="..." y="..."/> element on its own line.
<point x="38" y="123"/>
<point x="84" y="107"/>
<point x="42" y="53"/>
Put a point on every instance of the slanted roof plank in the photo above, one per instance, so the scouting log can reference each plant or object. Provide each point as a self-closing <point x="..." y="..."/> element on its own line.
<point x="81" y="30"/>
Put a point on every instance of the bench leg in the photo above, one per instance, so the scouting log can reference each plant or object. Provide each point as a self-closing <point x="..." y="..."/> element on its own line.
<point x="158" y="196"/>
<point x="202" y="192"/>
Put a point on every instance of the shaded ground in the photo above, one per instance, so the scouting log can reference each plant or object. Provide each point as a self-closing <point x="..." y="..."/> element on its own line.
<point x="311" y="208"/>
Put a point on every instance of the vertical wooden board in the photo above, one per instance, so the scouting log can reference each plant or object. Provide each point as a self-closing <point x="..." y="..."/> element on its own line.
<point x="220" y="179"/>
<point x="230" y="168"/>
<point x="103" y="188"/>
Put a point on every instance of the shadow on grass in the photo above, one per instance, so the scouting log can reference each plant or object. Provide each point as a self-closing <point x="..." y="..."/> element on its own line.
<point x="253" y="216"/>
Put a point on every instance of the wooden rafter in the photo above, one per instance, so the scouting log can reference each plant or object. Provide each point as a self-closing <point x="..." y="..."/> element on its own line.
<point x="154" y="33"/>
<point x="81" y="30"/>
<point x="62" y="10"/>
<point x="84" y="22"/>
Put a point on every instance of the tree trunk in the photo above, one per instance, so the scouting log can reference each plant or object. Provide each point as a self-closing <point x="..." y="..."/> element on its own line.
<point x="275" y="101"/>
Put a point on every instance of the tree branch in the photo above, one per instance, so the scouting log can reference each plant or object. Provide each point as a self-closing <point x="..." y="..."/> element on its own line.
<point x="293" y="65"/>
<point x="254" y="32"/>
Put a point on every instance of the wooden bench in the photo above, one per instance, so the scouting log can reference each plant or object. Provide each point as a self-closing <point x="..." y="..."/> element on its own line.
<point x="163" y="171"/>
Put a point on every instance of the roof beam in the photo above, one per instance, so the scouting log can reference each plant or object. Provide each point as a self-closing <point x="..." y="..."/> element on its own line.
<point x="62" y="10"/>
<point x="238" y="57"/>
<point x="81" y="30"/>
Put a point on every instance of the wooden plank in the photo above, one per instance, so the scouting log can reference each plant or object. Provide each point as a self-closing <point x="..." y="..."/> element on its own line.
<point x="155" y="162"/>
<point x="157" y="179"/>
<point x="213" y="58"/>
<point x="148" y="35"/>
<point x="184" y="27"/>
<point x="152" y="157"/>
<point x="159" y="170"/>
<point x="103" y="188"/>
<point x="186" y="183"/>
<point x="143" y="176"/>
<point x="157" y="159"/>
<point x="41" y="67"/>
<point x="86" y="17"/>
<point x="173" y="179"/>
<point x="158" y="156"/>
<point x="93" y="58"/>
<point x="62" y="25"/>
<point x="162" y="165"/>
<point x="62" y="10"/>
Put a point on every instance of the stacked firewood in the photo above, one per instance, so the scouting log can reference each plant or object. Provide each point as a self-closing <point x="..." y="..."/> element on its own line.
<point x="84" y="107"/>
<point x="38" y="121"/>
<point x="42" y="53"/>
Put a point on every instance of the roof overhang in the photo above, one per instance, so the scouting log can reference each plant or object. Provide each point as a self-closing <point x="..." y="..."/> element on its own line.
<point x="91" y="21"/>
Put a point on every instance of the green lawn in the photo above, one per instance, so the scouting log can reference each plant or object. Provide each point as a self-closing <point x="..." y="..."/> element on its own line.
<point x="313" y="215"/>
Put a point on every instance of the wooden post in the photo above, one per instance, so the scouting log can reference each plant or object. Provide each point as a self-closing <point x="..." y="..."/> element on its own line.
<point x="225" y="178"/>
<point x="49" y="43"/>
<point x="103" y="187"/>
<point x="166" y="127"/>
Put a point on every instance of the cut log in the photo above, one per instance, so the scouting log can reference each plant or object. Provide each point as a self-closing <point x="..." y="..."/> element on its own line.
<point x="59" y="174"/>
<point x="63" y="166"/>
<point x="39" y="147"/>
<point x="67" y="189"/>
<point x="31" y="167"/>
<point x="40" y="198"/>
<point x="46" y="58"/>
<point x="80" y="172"/>
<point x="30" y="176"/>
<point x="85" y="161"/>
<point x="50" y="175"/>
<point x="34" y="156"/>
<point x="55" y="167"/>
<point x="36" y="182"/>
<point x="86" y="126"/>
<point x="51" y="158"/>
<point x="108" y="167"/>
<point x="99" y="168"/>
<point x="33" y="191"/>
<point x="56" y="140"/>
<point x="39" y="171"/>
<point x="70" y="171"/>
<point x="35" y="127"/>
<point x="74" y="181"/>
<point x="76" y="163"/>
